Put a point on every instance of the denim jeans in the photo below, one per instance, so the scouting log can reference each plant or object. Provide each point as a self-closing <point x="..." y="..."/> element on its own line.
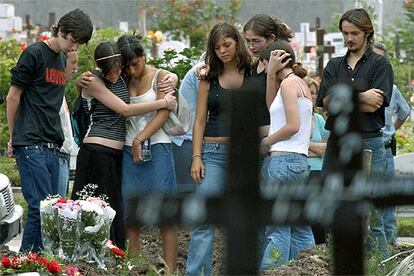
<point x="183" y="159"/>
<point x="200" y="252"/>
<point x="63" y="173"/>
<point x="388" y="213"/>
<point x="39" y="174"/>
<point x="284" y="243"/>
<point x="376" y="240"/>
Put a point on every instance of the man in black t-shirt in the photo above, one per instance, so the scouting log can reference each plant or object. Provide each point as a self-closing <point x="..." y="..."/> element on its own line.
<point x="371" y="76"/>
<point x="33" y="102"/>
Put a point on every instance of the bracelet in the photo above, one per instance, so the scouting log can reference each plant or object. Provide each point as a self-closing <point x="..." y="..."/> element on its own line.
<point x="196" y="155"/>
<point x="136" y="138"/>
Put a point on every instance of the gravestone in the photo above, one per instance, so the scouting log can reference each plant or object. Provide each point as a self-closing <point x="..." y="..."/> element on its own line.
<point x="404" y="165"/>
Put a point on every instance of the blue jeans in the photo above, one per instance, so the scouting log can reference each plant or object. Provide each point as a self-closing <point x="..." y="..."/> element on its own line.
<point x="183" y="159"/>
<point x="39" y="174"/>
<point x="63" y="173"/>
<point x="388" y="213"/>
<point x="200" y="253"/>
<point x="376" y="240"/>
<point x="284" y="243"/>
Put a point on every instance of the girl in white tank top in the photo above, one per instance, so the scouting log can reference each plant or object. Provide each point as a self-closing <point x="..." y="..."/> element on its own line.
<point x="287" y="144"/>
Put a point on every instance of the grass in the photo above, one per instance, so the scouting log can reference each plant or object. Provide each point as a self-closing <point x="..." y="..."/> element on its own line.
<point x="405" y="226"/>
<point x="22" y="202"/>
<point x="8" y="167"/>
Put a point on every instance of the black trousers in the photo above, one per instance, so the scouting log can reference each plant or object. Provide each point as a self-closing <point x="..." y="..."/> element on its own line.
<point x="319" y="232"/>
<point x="102" y="166"/>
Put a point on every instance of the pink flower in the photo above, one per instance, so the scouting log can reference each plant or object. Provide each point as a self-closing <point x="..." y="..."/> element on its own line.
<point x="15" y="263"/>
<point x="73" y="271"/>
<point x="32" y="257"/>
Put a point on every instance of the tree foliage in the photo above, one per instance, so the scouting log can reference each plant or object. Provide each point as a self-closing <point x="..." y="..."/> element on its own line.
<point x="193" y="18"/>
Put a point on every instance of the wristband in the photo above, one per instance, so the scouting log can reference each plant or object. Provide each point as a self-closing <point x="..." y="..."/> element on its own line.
<point x="136" y="138"/>
<point x="196" y="155"/>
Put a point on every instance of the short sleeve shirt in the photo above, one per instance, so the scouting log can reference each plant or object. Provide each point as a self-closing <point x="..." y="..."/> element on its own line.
<point x="40" y="74"/>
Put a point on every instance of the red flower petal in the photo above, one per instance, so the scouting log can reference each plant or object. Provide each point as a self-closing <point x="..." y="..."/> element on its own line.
<point x="5" y="262"/>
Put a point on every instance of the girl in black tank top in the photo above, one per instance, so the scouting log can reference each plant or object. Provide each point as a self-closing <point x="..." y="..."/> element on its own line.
<point x="229" y="63"/>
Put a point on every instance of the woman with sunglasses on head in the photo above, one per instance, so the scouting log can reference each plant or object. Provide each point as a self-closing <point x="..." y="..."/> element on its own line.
<point x="260" y="31"/>
<point x="99" y="160"/>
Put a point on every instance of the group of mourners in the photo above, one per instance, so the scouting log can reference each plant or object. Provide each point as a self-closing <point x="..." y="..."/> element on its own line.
<point x="129" y="102"/>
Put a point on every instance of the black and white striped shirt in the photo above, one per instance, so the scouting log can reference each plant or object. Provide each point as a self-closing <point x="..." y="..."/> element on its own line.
<point x="106" y="123"/>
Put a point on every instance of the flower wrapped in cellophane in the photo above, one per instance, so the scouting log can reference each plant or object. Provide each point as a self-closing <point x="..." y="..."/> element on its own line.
<point x="49" y="230"/>
<point x="77" y="229"/>
<point x="68" y="223"/>
<point x="97" y="217"/>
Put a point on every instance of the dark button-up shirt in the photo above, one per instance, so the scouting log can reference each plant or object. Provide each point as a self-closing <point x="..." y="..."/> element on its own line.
<point x="371" y="71"/>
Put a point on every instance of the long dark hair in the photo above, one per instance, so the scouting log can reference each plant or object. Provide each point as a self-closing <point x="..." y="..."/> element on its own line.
<point x="107" y="56"/>
<point x="360" y="18"/>
<point x="131" y="48"/>
<point x="242" y="56"/>
<point x="264" y="25"/>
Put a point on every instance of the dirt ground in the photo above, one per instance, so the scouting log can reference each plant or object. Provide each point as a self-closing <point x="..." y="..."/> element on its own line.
<point x="311" y="262"/>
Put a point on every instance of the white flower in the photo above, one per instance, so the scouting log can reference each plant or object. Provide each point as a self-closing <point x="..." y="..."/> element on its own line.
<point x="91" y="207"/>
<point x="68" y="213"/>
<point x="46" y="205"/>
<point x="109" y="214"/>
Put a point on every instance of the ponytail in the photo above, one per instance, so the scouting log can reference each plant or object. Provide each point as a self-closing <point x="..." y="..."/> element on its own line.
<point x="299" y="70"/>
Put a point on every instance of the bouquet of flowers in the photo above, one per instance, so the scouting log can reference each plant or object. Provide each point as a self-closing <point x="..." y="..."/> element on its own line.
<point x="68" y="223"/>
<point x="77" y="229"/>
<point x="50" y="233"/>
<point x="28" y="263"/>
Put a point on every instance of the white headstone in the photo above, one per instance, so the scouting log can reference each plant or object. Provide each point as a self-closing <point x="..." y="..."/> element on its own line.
<point x="123" y="26"/>
<point x="404" y="164"/>
<point x="6" y="10"/>
<point x="9" y="24"/>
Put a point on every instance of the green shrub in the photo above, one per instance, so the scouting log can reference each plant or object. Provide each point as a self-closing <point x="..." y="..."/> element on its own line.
<point x="9" y="168"/>
<point x="405" y="138"/>
<point x="405" y="227"/>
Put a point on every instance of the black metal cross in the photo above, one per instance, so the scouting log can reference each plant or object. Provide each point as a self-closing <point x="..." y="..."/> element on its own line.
<point x="341" y="203"/>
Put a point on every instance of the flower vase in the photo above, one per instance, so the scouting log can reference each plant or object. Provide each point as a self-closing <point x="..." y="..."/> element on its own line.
<point x="68" y="222"/>
<point x="49" y="231"/>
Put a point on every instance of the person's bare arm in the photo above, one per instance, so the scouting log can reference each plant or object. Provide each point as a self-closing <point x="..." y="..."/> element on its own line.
<point x="13" y="102"/>
<point x="317" y="149"/>
<point x="370" y="100"/>
<point x="274" y="65"/>
<point x="153" y="126"/>
<point x="197" y="166"/>
<point x="98" y="90"/>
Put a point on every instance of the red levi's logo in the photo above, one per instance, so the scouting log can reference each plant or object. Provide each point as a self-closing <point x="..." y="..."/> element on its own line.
<point x="55" y="76"/>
